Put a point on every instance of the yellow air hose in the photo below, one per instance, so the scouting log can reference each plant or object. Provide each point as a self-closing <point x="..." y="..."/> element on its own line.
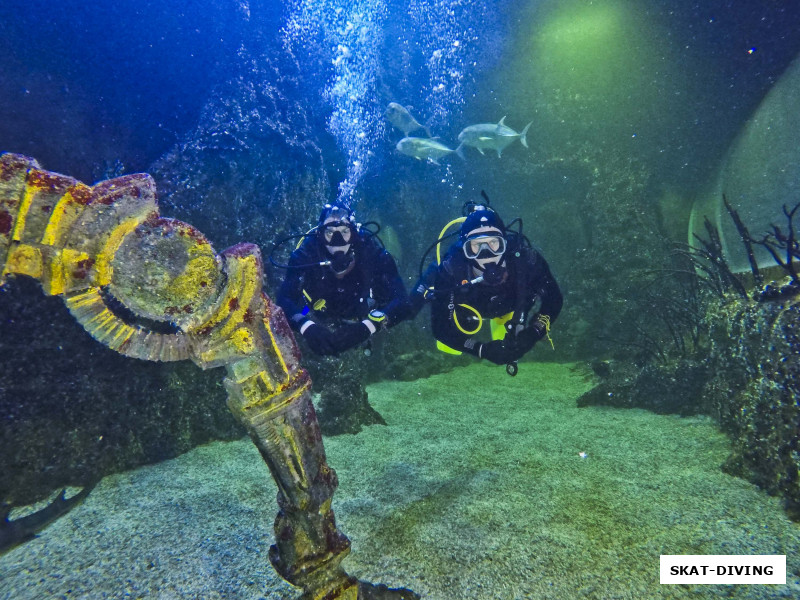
<point x="441" y="237"/>
<point x="477" y="314"/>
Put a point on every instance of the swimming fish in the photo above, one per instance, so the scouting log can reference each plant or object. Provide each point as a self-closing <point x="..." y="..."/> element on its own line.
<point x="400" y="117"/>
<point x="491" y="136"/>
<point x="423" y="148"/>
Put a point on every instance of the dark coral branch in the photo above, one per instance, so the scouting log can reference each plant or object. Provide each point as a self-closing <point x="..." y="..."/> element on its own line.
<point x="712" y="251"/>
<point x="791" y="242"/>
<point x="744" y="235"/>
<point x="775" y="241"/>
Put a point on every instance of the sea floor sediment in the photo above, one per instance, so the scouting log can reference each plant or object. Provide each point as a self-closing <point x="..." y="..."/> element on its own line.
<point x="481" y="486"/>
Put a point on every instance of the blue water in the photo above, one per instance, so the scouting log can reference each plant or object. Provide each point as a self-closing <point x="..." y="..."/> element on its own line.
<point x="83" y="86"/>
<point x="230" y="103"/>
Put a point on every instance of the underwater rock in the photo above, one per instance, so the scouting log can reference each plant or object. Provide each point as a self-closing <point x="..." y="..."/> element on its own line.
<point x="340" y="382"/>
<point x="664" y="389"/>
<point x="67" y="421"/>
<point x="606" y="393"/>
<point x="746" y="376"/>
<point x="608" y="257"/>
<point x="344" y="407"/>
<point x="602" y="368"/>
<point x="368" y="591"/>
<point x="420" y="364"/>
<point x="253" y="167"/>
<point x="754" y="391"/>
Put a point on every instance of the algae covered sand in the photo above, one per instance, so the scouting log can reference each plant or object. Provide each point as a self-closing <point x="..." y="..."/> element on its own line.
<point x="476" y="489"/>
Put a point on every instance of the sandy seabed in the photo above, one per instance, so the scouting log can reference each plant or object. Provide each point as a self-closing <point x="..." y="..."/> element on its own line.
<point x="481" y="486"/>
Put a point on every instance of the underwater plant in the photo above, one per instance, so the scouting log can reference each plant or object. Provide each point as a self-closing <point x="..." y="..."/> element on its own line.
<point x="709" y="260"/>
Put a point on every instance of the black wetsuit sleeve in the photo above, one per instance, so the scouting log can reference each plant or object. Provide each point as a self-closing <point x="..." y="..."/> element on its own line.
<point x="420" y="294"/>
<point x="546" y="288"/>
<point x="390" y="293"/>
<point x="290" y="295"/>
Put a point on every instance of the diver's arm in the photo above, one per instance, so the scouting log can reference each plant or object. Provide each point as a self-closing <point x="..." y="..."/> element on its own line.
<point x="351" y="335"/>
<point x="422" y="291"/>
<point x="546" y="287"/>
<point x="541" y="284"/>
<point x="290" y="295"/>
<point x="391" y="293"/>
<point x="290" y="298"/>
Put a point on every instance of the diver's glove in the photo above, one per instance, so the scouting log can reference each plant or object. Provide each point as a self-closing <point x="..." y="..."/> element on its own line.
<point x="527" y="338"/>
<point x="500" y="352"/>
<point x="319" y="338"/>
<point x="352" y="334"/>
<point x="537" y="330"/>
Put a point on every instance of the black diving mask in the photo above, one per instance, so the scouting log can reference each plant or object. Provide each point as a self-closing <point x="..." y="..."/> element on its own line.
<point x="336" y="234"/>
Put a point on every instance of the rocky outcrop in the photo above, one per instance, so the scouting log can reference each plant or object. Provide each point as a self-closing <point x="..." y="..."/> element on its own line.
<point x="747" y="376"/>
<point x="754" y="391"/>
<point x="73" y="411"/>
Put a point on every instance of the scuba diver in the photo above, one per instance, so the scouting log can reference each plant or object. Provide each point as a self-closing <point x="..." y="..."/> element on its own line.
<point x="341" y="285"/>
<point x="490" y="273"/>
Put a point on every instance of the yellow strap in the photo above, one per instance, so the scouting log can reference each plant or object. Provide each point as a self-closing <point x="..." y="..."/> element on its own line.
<point x="303" y="239"/>
<point x="460" y="328"/>
<point x="316" y="305"/>
<point x="545" y="320"/>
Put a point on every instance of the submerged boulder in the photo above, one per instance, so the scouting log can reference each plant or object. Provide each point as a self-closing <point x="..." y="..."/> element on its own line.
<point x="252" y="170"/>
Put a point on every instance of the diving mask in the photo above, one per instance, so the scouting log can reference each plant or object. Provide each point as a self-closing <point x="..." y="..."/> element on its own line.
<point x="484" y="246"/>
<point x="337" y="236"/>
<point x="336" y="233"/>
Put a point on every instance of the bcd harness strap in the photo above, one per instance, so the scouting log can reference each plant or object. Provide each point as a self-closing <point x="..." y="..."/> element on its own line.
<point x="319" y="304"/>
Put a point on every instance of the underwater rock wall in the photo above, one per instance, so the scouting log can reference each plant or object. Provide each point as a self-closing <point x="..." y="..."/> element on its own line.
<point x="606" y="256"/>
<point x="745" y="374"/>
<point x="754" y="391"/>
<point x="252" y="170"/>
<point x="73" y="411"/>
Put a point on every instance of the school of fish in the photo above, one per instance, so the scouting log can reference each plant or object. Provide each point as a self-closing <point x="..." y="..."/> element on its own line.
<point x="482" y="136"/>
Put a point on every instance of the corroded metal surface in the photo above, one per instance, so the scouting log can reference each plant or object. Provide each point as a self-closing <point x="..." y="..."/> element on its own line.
<point x="153" y="288"/>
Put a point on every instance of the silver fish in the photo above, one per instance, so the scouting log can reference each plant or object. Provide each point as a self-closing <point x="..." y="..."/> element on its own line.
<point x="400" y="117"/>
<point x="491" y="136"/>
<point x="423" y="148"/>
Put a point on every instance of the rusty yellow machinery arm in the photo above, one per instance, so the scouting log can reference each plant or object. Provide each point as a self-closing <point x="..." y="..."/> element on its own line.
<point x="153" y="288"/>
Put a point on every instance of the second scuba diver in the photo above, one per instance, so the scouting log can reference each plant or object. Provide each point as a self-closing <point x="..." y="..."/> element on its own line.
<point x="341" y="286"/>
<point x="490" y="274"/>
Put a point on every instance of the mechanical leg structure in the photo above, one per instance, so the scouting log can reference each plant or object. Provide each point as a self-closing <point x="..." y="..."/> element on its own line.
<point x="153" y="288"/>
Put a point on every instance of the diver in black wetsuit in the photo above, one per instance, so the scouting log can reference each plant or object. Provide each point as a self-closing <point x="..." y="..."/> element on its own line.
<point x="341" y="286"/>
<point x="490" y="274"/>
